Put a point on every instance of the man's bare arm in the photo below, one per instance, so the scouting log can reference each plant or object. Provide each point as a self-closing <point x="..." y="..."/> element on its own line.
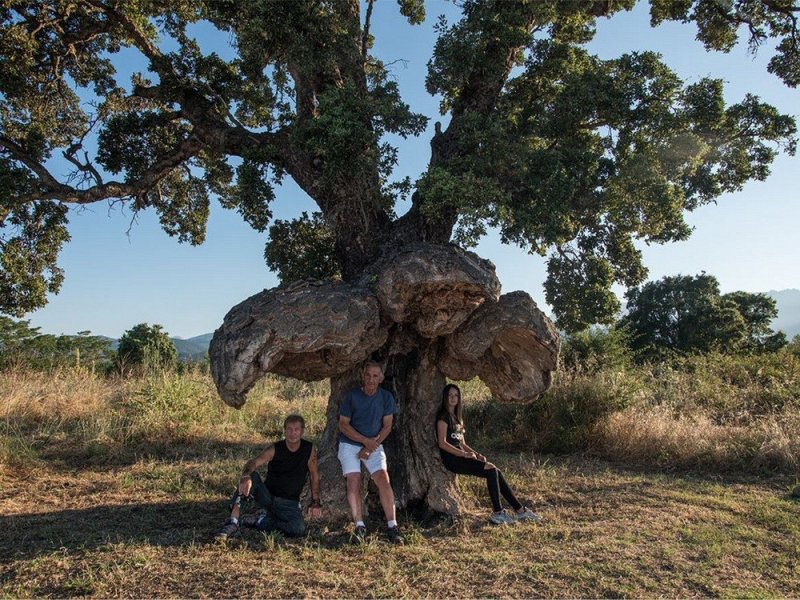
<point x="313" y="472"/>
<point x="245" y="481"/>
<point x="386" y="428"/>
<point x="348" y="430"/>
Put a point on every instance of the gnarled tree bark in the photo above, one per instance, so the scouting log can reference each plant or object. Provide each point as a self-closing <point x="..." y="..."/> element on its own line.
<point x="424" y="312"/>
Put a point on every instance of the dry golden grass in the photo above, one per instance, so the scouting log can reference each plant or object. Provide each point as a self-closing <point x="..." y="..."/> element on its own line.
<point x="145" y="530"/>
<point x="64" y="394"/>
<point x="78" y="415"/>
<point x="114" y="488"/>
<point x="657" y="436"/>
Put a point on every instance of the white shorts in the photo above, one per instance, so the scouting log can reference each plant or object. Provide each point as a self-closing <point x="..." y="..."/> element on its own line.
<point x="348" y="456"/>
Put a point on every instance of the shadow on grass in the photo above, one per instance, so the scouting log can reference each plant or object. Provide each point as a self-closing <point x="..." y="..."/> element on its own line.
<point x="27" y="536"/>
<point x="176" y="524"/>
<point x="112" y="454"/>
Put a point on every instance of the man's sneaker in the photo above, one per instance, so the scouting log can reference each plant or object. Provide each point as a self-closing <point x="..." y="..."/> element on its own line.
<point x="393" y="535"/>
<point x="359" y="535"/>
<point x="228" y="530"/>
<point x="526" y="514"/>
<point x="500" y="518"/>
<point x="252" y="519"/>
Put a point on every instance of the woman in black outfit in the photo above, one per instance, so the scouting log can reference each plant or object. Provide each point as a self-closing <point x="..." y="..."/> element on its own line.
<point x="459" y="458"/>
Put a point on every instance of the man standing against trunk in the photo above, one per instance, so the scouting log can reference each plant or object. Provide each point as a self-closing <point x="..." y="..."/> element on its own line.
<point x="365" y="421"/>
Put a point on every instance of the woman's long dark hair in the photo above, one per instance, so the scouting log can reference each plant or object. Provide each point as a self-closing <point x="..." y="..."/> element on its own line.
<point x="444" y="413"/>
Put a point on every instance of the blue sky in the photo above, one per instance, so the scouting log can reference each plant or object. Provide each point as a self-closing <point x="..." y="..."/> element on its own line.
<point x="120" y="273"/>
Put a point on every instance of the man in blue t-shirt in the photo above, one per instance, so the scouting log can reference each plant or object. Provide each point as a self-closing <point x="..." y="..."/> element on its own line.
<point x="365" y="420"/>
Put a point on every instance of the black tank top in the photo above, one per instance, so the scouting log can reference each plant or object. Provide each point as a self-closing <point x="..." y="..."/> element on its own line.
<point x="287" y="471"/>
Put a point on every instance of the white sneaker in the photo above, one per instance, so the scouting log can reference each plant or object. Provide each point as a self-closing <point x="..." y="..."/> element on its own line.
<point x="500" y="518"/>
<point x="526" y="514"/>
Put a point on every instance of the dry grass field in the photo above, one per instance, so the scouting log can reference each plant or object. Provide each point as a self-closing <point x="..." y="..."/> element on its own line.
<point x="115" y="488"/>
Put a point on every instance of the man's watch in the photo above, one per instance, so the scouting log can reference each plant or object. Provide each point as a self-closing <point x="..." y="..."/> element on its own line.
<point x="315" y="503"/>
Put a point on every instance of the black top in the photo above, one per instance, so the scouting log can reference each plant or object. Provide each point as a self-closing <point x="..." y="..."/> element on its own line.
<point x="286" y="472"/>
<point x="455" y="433"/>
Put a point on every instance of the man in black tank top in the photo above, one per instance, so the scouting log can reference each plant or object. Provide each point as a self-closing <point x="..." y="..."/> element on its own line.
<point x="289" y="462"/>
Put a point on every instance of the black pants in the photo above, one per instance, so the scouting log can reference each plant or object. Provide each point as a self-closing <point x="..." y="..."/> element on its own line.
<point x="495" y="481"/>
<point x="283" y="514"/>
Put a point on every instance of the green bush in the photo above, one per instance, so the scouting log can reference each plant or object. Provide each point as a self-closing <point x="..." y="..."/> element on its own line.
<point x="562" y="420"/>
<point x="596" y="348"/>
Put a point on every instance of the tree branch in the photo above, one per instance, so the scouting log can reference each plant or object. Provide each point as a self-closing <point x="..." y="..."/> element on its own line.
<point x="365" y="35"/>
<point x="160" y="63"/>
<point x="49" y="188"/>
<point x="479" y="95"/>
<point x="19" y="153"/>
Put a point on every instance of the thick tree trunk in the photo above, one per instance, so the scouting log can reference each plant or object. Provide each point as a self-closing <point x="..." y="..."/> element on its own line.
<point x="423" y="311"/>
<point x="421" y="484"/>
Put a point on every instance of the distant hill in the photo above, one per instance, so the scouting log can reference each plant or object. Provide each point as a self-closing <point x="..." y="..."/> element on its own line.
<point x="788" y="302"/>
<point x="194" y="348"/>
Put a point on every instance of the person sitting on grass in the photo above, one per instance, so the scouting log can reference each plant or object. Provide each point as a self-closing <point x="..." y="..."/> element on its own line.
<point x="459" y="458"/>
<point x="290" y="461"/>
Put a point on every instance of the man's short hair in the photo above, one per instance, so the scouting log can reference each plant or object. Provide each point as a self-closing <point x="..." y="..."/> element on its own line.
<point x="372" y="363"/>
<point x="294" y="419"/>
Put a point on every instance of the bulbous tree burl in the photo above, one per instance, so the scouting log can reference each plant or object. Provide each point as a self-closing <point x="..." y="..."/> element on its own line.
<point x="562" y="152"/>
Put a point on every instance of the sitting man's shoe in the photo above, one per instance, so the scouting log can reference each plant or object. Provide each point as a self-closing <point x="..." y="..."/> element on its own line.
<point x="393" y="535"/>
<point x="500" y="518"/>
<point x="252" y="520"/>
<point x="228" y="530"/>
<point x="359" y="536"/>
<point x="526" y="514"/>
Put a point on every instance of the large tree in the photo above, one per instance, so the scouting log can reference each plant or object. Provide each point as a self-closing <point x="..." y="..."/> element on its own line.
<point x="685" y="314"/>
<point x="566" y="154"/>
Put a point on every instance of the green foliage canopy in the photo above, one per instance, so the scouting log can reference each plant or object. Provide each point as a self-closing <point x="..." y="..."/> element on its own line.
<point x="146" y="346"/>
<point x="684" y="314"/>
<point x="569" y="155"/>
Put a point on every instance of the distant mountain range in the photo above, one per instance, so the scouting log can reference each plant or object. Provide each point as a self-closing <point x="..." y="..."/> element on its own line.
<point x="788" y="302"/>
<point x="192" y="349"/>
<point x="788" y="321"/>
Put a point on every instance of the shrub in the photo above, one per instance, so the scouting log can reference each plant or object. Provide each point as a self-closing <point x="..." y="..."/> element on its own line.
<point x="596" y="348"/>
<point x="146" y="347"/>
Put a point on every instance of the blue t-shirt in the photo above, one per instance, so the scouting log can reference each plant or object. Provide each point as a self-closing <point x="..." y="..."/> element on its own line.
<point x="366" y="412"/>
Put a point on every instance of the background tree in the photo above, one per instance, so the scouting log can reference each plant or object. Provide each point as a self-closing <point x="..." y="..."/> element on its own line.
<point x="568" y="155"/>
<point x="597" y="348"/>
<point x="685" y="314"/>
<point x="794" y="345"/>
<point x="22" y="346"/>
<point x="758" y="311"/>
<point x="146" y="346"/>
<point x="15" y="338"/>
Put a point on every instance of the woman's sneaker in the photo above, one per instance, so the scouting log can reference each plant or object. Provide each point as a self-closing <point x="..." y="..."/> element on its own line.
<point x="228" y="530"/>
<point x="500" y="518"/>
<point x="526" y="514"/>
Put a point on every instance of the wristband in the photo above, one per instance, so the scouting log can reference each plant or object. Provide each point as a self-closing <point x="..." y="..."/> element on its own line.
<point x="315" y="503"/>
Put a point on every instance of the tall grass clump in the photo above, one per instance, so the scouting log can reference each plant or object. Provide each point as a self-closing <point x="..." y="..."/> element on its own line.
<point x="76" y="412"/>
<point x="42" y="409"/>
<point x="712" y="412"/>
<point x="717" y="412"/>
